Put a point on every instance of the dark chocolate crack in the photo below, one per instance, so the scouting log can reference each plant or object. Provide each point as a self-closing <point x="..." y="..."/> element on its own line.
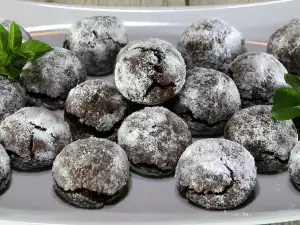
<point x="150" y="169"/>
<point x="120" y="45"/>
<point x="30" y="148"/>
<point x="272" y="154"/>
<point x="66" y="45"/>
<point x="38" y="127"/>
<point x="95" y="34"/>
<point x="190" y="116"/>
<point x="46" y="99"/>
<point x="75" y="122"/>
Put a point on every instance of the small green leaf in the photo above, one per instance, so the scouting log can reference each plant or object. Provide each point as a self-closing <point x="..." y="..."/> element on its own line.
<point x="33" y="49"/>
<point x="4" y="71"/>
<point x="18" y="61"/>
<point x="4" y="37"/>
<point x="293" y="80"/>
<point x="15" y="37"/>
<point x="4" y="58"/>
<point x="14" y="73"/>
<point x="286" y="104"/>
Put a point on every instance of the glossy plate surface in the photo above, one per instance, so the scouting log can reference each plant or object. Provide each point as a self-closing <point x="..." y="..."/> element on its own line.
<point x="30" y="198"/>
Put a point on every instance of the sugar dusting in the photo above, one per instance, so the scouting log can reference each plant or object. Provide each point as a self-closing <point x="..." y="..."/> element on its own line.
<point x="154" y="136"/>
<point x="211" y="43"/>
<point x="221" y="174"/>
<point x="95" y="164"/>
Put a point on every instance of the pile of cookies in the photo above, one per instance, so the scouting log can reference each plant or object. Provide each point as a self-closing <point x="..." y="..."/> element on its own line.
<point x="162" y="96"/>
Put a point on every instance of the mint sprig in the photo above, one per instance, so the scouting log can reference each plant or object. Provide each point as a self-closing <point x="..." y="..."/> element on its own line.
<point x="287" y="100"/>
<point x="14" y="54"/>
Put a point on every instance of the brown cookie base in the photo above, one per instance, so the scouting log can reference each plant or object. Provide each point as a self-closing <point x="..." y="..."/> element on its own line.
<point x="34" y="99"/>
<point x="150" y="170"/>
<point x="84" y="198"/>
<point x="82" y="131"/>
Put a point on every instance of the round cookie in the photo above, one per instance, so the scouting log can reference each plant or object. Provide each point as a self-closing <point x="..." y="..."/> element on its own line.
<point x="269" y="141"/>
<point x="211" y="43"/>
<point x="97" y="41"/>
<point x="95" y="108"/>
<point x="5" y="170"/>
<point x="284" y="44"/>
<point x="90" y="173"/>
<point x="49" y="79"/>
<point x="154" y="138"/>
<point x="216" y="174"/>
<point x="294" y="165"/>
<point x="33" y="137"/>
<point x="6" y="24"/>
<point x="257" y="76"/>
<point x="207" y="100"/>
<point x="12" y="97"/>
<point x="149" y="71"/>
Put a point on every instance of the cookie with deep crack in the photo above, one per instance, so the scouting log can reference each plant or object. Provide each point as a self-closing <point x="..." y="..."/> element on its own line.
<point x="269" y="141"/>
<point x="149" y="71"/>
<point x="12" y="97"/>
<point x="90" y="173"/>
<point x="154" y="138"/>
<point x="207" y="100"/>
<point x="211" y="43"/>
<point x="97" y="41"/>
<point x="257" y="76"/>
<point x="33" y="137"/>
<point x="216" y="174"/>
<point x="284" y="44"/>
<point x="6" y="24"/>
<point x="49" y="78"/>
<point x="95" y="108"/>
<point x="5" y="170"/>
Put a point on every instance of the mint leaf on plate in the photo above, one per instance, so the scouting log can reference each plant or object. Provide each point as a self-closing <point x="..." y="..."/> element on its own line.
<point x="34" y="49"/>
<point x="13" y="73"/>
<point x="286" y="104"/>
<point x="15" y="38"/>
<point x="4" y="36"/>
<point x="293" y="80"/>
<point x="4" y="58"/>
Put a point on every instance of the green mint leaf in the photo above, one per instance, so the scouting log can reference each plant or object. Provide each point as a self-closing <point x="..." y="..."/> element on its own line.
<point x="15" y="37"/>
<point x="4" y="37"/>
<point x="293" y="80"/>
<point x="4" y="59"/>
<point x="34" y="49"/>
<point x="18" y="61"/>
<point x="286" y="104"/>
<point x="14" y="73"/>
<point x="4" y="71"/>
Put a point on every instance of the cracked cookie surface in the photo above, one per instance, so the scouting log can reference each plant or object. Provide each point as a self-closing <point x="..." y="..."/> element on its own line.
<point x="154" y="138"/>
<point x="149" y="71"/>
<point x="207" y="100"/>
<point x="269" y="141"/>
<point x="97" y="41"/>
<point x="33" y="137"/>
<point x="90" y="173"/>
<point x="216" y="174"/>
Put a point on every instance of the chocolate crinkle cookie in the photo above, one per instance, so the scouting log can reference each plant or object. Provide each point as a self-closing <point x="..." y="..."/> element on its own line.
<point x="33" y="137"/>
<point x="49" y="79"/>
<point x="12" y="97"/>
<point x="90" y="173"/>
<point x="269" y="141"/>
<point x="149" y="71"/>
<point x="95" y="108"/>
<point x="5" y="170"/>
<point x="284" y="44"/>
<point x="6" y="24"/>
<point x="97" y="41"/>
<point x="207" y="100"/>
<point x="216" y="174"/>
<point x="154" y="138"/>
<point x="211" y="43"/>
<point x="257" y="76"/>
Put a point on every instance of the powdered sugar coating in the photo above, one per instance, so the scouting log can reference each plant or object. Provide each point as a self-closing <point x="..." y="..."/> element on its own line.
<point x="269" y="141"/>
<point x="12" y="97"/>
<point x="59" y="69"/>
<point x="97" y="41"/>
<point x="257" y="76"/>
<point x="93" y="164"/>
<point x="216" y="173"/>
<point x="154" y="138"/>
<point x="294" y="164"/>
<point x="207" y="100"/>
<point x="149" y="71"/>
<point x="96" y="103"/>
<point x="5" y="170"/>
<point x="33" y="137"/>
<point x="284" y="44"/>
<point x="6" y="24"/>
<point x="211" y="43"/>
